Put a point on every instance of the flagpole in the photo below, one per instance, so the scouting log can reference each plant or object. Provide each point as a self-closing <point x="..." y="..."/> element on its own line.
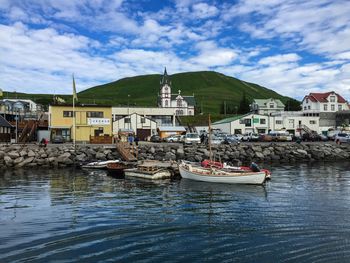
<point x="74" y="97"/>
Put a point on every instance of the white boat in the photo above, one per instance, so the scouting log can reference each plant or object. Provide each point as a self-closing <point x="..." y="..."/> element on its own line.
<point x="148" y="172"/>
<point x="99" y="165"/>
<point x="220" y="175"/>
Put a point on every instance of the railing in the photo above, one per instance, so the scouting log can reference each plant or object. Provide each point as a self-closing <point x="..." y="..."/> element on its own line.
<point x="127" y="151"/>
<point x="106" y="139"/>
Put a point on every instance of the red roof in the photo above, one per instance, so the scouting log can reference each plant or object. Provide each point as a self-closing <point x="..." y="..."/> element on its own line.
<point x="322" y="97"/>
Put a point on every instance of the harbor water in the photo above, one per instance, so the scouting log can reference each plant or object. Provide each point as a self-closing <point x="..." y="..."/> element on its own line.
<point x="301" y="215"/>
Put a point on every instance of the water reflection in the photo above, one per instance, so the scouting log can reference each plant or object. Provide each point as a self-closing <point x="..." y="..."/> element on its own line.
<point x="77" y="215"/>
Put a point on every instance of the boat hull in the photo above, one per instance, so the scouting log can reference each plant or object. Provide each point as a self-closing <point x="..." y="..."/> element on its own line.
<point x="234" y="178"/>
<point x="162" y="174"/>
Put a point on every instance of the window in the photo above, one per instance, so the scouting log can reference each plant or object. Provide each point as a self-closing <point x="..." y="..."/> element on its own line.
<point x="325" y="107"/>
<point x="143" y="120"/>
<point x="312" y="122"/>
<point x="94" y="114"/>
<point x="98" y="131"/>
<point x="271" y="105"/>
<point x="309" y="107"/>
<point x="278" y="122"/>
<point x="305" y="107"/>
<point x="261" y="131"/>
<point x="189" y="112"/>
<point x="332" y="107"/>
<point x="307" y="100"/>
<point x="262" y="121"/>
<point x="332" y="98"/>
<point x="67" y="114"/>
<point x="238" y="131"/>
<point x="127" y="120"/>
<point x="179" y="103"/>
<point x="166" y="103"/>
<point x="340" y="107"/>
<point x="248" y="122"/>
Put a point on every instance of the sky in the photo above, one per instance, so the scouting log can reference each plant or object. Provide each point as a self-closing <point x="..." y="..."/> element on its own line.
<point x="291" y="46"/>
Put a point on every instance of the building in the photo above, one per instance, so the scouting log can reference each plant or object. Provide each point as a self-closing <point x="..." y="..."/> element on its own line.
<point x="143" y="127"/>
<point x="91" y="121"/>
<point x="324" y="102"/>
<point x="182" y="105"/>
<point x="5" y="130"/>
<point x="257" y="123"/>
<point x="169" y="106"/>
<point x="162" y="116"/>
<point x="21" y="105"/>
<point x="266" y="106"/>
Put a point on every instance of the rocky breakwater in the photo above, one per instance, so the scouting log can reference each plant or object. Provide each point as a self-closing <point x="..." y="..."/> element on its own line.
<point x="17" y="156"/>
<point x="247" y="152"/>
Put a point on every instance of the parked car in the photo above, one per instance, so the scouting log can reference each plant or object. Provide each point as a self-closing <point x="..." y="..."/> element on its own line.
<point x="155" y="138"/>
<point x="281" y="136"/>
<point x="238" y="136"/>
<point x="250" y="137"/>
<point x="342" y="138"/>
<point x="192" y="138"/>
<point x="231" y="139"/>
<point x="58" y="139"/>
<point x="265" y="138"/>
<point x="216" y="139"/>
<point x="173" y="138"/>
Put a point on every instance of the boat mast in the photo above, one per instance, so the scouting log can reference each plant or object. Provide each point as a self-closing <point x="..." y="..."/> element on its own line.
<point x="210" y="152"/>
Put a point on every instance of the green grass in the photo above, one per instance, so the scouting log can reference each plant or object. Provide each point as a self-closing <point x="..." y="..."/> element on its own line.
<point x="211" y="90"/>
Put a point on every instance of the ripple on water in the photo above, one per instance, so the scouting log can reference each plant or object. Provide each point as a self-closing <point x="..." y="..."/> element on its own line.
<point x="302" y="215"/>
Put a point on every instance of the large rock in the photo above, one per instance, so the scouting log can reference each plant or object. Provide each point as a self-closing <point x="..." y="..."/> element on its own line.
<point x="8" y="160"/>
<point x="100" y="156"/>
<point x="25" y="162"/>
<point x="13" y="154"/>
<point x="18" y="160"/>
<point x="31" y="153"/>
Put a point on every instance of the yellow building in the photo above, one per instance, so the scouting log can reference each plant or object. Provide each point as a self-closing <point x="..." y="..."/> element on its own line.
<point x="93" y="123"/>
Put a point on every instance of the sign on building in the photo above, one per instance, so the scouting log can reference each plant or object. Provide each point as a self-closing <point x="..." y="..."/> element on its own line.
<point x="98" y="121"/>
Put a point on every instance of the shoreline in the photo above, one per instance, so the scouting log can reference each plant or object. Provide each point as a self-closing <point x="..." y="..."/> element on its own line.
<point x="56" y="156"/>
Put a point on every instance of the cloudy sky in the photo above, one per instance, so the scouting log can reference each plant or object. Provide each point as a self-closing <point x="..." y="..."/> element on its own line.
<point x="291" y="46"/>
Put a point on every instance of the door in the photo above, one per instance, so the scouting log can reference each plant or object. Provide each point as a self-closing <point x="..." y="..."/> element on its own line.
<point x="142" y="134"/>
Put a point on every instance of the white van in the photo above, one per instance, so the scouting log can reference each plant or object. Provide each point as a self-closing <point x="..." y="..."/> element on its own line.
<point x="192" y="138"/>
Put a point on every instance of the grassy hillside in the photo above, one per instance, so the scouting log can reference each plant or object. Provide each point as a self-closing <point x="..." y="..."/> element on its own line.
<point x="211" y="90"/>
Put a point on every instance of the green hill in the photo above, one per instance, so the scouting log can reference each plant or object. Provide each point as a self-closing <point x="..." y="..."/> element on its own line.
<point x="211" y="90"/>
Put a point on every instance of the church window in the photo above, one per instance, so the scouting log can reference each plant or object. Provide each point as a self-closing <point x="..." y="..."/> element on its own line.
<point x="179" y="103"/>
<point x="166" y="103"/>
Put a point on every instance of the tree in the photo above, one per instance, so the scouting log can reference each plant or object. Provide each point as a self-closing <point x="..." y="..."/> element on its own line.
<point x="292" y="105"/>
<point x="244" y="105"/>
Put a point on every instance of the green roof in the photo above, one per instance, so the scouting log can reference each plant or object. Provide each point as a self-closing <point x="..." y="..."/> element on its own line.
<point x="231" y="119"/>
<point x="263" y="102"/>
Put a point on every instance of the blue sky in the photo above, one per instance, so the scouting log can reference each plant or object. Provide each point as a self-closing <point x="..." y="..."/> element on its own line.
<point x="293" y="47"/>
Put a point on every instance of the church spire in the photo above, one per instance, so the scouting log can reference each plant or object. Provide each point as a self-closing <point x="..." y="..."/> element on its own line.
<point x="165" y="78"/>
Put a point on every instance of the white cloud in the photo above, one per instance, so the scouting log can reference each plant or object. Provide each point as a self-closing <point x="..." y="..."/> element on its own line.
<point x="203" y="10"/>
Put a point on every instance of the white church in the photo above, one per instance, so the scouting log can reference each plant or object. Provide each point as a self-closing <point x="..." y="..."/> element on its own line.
<point x="183" y="105"/>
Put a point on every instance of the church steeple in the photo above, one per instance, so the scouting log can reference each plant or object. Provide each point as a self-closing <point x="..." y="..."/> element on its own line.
<point x="165" y="78"/>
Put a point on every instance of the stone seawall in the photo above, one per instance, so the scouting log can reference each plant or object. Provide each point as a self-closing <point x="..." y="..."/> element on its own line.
<point x="17" y="156"/>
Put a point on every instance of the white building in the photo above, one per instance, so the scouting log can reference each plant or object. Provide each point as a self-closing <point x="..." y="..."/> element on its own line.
<point x="183" y="105"/>
<point x="324" y="102"/>
<point x="267" y="106"/>
<point x="257" y="123"/>
<point x="142" y="126"/>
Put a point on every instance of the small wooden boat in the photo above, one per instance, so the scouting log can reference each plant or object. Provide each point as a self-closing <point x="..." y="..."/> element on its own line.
<point x="148" y="171"/>
<point x="117" y="169"/>
<point x="99" y="165"/>
<point x="220" y="175"/>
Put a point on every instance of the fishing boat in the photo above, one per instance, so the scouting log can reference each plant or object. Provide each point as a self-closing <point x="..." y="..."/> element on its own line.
<point x="99" y="165"/>
<point x="220" y="175"/>
<point x="149" y="171"/>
